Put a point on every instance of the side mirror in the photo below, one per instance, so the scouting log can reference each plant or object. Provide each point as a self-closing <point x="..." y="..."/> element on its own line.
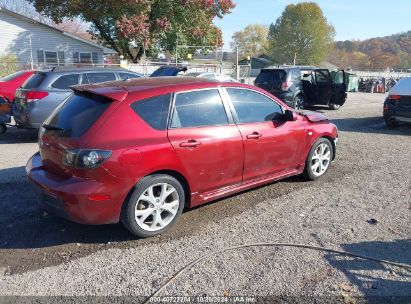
<point x="288" y="115"/>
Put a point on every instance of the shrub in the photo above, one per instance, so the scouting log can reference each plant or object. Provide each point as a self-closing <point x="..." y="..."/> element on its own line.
<point x="8" y="65"/>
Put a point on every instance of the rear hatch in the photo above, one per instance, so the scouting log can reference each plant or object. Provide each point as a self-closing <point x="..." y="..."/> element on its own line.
<point x="66" y="126"/>
<point x="400" y="96"/>
<point x="403" y="106"/>
<point x="29" y="91"/>
<point x="271" y="80"/>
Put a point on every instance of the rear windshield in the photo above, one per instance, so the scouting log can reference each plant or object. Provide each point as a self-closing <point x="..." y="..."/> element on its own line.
<point x="12" y="76"/>
<point x="271" y="75"/>
<point x="78" y="114"/>
<point x="34" y="81"/>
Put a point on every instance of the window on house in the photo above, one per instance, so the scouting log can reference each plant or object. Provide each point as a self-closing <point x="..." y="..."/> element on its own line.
<point x="94" y="57"/>
<point x="85" y="58"/>
<point x="50" y="58"/>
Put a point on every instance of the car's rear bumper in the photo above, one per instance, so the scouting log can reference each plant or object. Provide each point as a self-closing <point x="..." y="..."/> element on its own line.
<point x="27" y="117"/>
<point x="401" y="113"/>
<point x="71" y="198"/>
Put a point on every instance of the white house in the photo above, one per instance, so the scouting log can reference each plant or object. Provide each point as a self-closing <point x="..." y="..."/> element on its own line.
<point x="37" y="44"/>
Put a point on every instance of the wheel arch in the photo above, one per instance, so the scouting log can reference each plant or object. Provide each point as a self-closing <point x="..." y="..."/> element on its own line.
<point x="177" y="175"/>
<point x="332" y="144"/>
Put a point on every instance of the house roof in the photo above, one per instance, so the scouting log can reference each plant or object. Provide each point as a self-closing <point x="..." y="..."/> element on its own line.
<point x="30" y="20"/>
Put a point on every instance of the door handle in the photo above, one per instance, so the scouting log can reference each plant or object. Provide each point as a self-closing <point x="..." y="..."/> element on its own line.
<point x="190" y="143"/>
<point x="254" y="135"/>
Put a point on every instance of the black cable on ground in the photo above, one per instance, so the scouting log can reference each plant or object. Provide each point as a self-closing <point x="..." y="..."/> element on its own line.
<point x="204" y="257"/>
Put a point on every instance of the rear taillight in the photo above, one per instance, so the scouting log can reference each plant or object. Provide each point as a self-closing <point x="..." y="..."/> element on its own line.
<point x="32" y="96"/>
<point x="85" y="159"/>
<point x="394" y="97"/>
<point x="285" y="86"/>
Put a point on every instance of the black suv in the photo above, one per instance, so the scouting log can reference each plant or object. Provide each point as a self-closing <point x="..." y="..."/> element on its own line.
<point x="301" y="87"/>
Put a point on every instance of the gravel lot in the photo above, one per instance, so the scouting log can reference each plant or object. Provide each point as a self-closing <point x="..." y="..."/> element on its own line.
<point x="370" y="179"/>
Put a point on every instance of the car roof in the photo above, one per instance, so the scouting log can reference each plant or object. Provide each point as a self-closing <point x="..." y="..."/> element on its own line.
<point x="71" y="69"/>
<point x="119" y="90"/>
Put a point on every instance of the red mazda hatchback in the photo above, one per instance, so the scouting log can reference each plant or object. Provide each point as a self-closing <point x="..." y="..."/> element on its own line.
<point x="139" y="151"/>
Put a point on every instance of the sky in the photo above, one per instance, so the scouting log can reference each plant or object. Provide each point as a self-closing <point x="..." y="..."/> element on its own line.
<point x="352" y="19"/>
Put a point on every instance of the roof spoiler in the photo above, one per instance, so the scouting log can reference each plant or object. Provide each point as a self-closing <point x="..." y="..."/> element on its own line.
<point x="113" y="93"/>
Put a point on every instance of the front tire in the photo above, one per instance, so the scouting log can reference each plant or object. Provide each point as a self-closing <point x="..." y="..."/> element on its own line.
<point x="319" y="159"/>
<point x="154" y="206"/>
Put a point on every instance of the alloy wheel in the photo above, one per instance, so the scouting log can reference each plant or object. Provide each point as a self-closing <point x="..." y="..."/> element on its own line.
<point x="157" y="206"/>
<point x="299" y="103"/>
<point x="321" y="159"/>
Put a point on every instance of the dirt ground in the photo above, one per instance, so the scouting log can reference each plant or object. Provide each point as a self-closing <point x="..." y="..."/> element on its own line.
<point x="41" y="254"/>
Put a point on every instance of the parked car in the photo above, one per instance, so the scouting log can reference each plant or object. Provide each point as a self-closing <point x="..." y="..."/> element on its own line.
<point x="167" y="70"/>
<point x="299" y="88"/>
<point x="45" y="90"/>
<point x="397" y="106"/>
<point x="139" y="152"/>
<point x="5" y="117"/>
<point x="10" y="83"/>
<point x="211" y="76"/>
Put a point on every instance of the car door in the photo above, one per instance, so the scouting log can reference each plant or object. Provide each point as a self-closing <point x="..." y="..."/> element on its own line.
<point x="323" y="86"/>
<point x="271" y="145"/>
<point x="206" y="140"/>
<point x="340" y="88"/>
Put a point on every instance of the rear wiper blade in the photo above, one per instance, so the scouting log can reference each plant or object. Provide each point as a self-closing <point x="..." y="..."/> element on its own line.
<point x="51" y="127"/>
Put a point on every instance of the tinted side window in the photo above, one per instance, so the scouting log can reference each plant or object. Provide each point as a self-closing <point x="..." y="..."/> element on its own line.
<point x="65" y="81"/>
<point x="154" y="110"/>
<point x="252" y="106"/>
<point x="100" y="77"/>
<point x="295" y="75"/>
<point x="322" y="77"/>
<point x="124" y="76"/>
<point x="271" y="75"/>
<point x="199" y="108"/>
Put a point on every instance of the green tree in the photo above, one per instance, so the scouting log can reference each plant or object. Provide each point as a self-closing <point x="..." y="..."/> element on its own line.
<point x="132" y="27"/>
<point x="301" y="32"/>
<point x="252" y="40"/>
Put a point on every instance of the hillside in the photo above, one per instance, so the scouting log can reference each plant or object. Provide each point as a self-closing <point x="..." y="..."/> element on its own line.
<point x="374" y="54"/>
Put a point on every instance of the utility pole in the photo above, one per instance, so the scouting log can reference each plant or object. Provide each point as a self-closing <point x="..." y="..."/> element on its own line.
<point x="237" y="66"/>
<point x="295" y="57"/>
<point x="31" y="54"/>
<point x="176" y="55"/>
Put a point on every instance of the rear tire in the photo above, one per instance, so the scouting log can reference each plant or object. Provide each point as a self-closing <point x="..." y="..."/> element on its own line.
<point x="319" y="159"/>
<point x="3" y="128"/>
<point x="334" y="106"/>
<point x="298" y="102"/>
<point x="154" y="206"/>
<point x="391" y="122"/>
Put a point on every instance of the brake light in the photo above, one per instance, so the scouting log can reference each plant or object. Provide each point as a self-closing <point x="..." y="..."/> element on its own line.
<point x="85" y="159"/>
<point x="394" y="97"/>
<point x="32" y="96"/>
<point x="285" y="86"/>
